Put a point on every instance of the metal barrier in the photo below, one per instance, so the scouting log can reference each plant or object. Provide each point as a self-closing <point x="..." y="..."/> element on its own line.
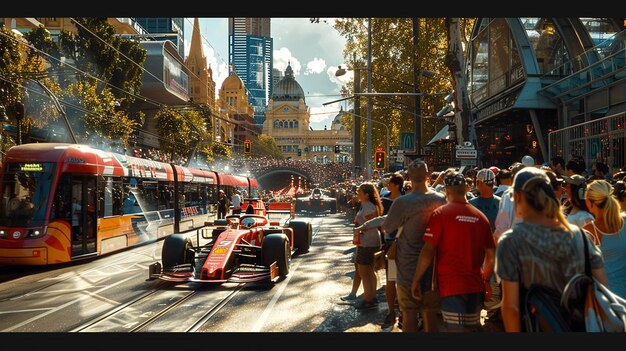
<point x="601" y="139"/>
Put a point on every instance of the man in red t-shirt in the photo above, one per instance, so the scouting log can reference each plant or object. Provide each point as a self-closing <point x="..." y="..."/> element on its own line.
<point x="460" y="237"/>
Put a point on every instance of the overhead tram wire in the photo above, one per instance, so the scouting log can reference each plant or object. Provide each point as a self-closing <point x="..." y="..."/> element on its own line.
<point x="193" y="126"/>
<point x="148" y="100"/>
<point x="76" y="107"/>
<point x="111" y="85"/>
<point x="157" y="104"/>
<point x="143" y="69"/>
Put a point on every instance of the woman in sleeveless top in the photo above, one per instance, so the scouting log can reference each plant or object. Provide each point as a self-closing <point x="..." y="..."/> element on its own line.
<point x="608" y="231"/>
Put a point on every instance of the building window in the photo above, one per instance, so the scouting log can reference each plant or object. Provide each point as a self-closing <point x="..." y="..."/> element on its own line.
<point x="291" y="124"/>
<point x="280" y="124"/>
<point x="275" y="124"/>
<point x="295" y="124"/>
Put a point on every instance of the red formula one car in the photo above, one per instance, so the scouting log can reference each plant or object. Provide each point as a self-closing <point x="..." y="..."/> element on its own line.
<point x="242" y="248"/>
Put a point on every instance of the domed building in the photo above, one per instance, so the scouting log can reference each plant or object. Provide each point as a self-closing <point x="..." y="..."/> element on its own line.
<point x="287" y="120"/>
<point x="237" y="114"/>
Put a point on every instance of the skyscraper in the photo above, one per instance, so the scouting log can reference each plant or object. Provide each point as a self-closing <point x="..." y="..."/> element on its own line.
<point x="250" y="48"/>
<point x="165" y="28"/>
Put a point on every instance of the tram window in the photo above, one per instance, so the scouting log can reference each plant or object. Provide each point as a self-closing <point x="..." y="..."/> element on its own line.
<point x="105" y="196"/>
<point x="118" y="196"/>
<point x="213" y="195"/>
<point x="150" y="195"/>
<point x="192" y="196"/>
<point x="62" y="205"/>
<point x="204" y="195"/>
<point x="166" y="195"/>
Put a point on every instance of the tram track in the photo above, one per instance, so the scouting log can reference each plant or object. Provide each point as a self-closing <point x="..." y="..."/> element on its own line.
<point x="142" y="251"/>
<point x="143" y="307"/>
<point x="148" y="319"/>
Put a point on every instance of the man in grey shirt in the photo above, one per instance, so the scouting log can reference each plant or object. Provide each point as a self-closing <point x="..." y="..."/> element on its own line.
<point x="411" y="212"/>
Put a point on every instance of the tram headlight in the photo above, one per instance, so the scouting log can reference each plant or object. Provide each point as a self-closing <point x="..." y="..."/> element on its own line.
<point x="36" y="233"/>
<point x="3" y="234"/>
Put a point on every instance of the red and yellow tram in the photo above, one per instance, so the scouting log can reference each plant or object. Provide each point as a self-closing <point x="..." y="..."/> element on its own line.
<point x="64" y="202"/>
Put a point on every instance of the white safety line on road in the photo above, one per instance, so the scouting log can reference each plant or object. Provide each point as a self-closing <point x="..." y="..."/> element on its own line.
<point x="28" y="310"/>
<point x="268" y="309"/>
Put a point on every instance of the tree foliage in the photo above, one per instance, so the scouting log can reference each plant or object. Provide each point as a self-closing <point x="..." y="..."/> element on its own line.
<point x="175" y="132"/>
<point x="98" y="109"/>
<point x="393" y="55"/>
<point x="265" y="146"/>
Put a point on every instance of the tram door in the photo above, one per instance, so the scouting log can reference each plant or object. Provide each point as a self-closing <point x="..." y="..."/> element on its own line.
<point x="84" y="215"/>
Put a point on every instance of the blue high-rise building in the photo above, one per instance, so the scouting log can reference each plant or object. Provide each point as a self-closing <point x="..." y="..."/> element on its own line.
<point x="250" y="54"/>
<point x="165" y="28"/>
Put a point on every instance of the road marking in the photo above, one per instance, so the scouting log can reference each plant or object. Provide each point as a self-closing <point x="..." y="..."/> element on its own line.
<point x="268" y="309"/>
<point x="29" y="310"/>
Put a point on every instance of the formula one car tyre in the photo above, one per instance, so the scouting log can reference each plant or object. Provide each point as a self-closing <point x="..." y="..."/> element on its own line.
<point x="276" y="248"/>
<point x="177" y="250"/>
<point x="303" y="235"/>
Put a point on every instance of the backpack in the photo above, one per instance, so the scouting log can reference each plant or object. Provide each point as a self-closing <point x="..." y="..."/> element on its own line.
<point x="547" y="310"/>
<point x="585" y="305"/>
<point x="542" y="311"/>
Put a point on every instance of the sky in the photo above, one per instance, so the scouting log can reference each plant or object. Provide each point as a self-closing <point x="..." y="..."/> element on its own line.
<point x="314" y="49"/>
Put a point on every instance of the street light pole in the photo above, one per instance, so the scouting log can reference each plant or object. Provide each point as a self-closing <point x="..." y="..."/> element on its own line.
<point x="369" y="99"/>
<point x="357" y="122"/>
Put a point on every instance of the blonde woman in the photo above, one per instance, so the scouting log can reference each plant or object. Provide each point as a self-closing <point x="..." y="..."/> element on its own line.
<point x="543" y="249"/>
<point x="608" y="231"/>
<point x="368" y="242"/>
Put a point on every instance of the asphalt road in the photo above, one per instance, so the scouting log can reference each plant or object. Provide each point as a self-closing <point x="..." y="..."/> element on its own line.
<point x="112" y="294"/>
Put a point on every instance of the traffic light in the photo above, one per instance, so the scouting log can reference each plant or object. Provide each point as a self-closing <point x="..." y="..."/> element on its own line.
<point x="19" y="111"/>
<point x="380" y="160"/>
<point x="337" y="149"/>
<point x="299" y="152"/>
<point x="247" y="147"/>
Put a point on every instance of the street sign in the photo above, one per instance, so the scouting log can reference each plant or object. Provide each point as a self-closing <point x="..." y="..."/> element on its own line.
<point x="408" y="141"/>
<point x="466" y="153"/>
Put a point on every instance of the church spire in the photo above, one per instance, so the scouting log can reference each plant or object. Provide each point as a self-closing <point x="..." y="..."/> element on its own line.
<point x="195" y="49"/>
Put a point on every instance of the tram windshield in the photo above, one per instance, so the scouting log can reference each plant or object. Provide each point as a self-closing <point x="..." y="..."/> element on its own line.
<point x="26" y="189"/>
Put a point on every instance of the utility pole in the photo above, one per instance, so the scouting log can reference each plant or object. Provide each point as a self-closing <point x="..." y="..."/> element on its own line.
<point x="369" y="99"/>
<point x="416" y="89"/>
<point x="357" y="119"/>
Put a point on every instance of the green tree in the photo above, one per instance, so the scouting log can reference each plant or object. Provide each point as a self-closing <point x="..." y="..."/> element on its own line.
<point x="11" y="62"/>
<point x="265" y="146"/>
<point x="99" y="117"/>
<point x="393" y="72"/>
<point x="184" y="133"/>
<point x="19" y="65"/>
<point x="174" y="131"/>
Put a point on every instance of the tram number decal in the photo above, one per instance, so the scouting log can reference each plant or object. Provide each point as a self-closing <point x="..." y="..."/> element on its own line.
<point x="190" y="211"/>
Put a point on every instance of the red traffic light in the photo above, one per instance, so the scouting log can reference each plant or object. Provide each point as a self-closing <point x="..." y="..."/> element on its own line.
<point x="380" y="159"/>
<point x="247" y="146"/>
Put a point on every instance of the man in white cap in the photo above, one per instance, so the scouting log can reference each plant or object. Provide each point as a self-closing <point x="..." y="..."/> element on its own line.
<point x="486" y="201"/>
<point x="528" y="161"/>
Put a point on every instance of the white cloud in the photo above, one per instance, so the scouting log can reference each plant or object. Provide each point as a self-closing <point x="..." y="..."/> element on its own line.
<point x="282" y="57"/>
<point x="316" y="66"/>
<point x="325" y="114"/>
<point x="220" y="71"/>
<point x="341" y="80"/>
